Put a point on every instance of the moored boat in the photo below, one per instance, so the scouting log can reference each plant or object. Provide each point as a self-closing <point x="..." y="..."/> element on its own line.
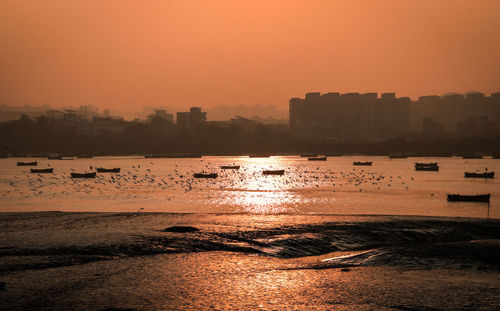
<point x="479" y="175"/>
<point x="398" y="156"/>
<point x="359" y="163"/>
<point x="273" y="172"/>
<point x="469" y="198"/>
<point x="84" y="175"/>
<point x="203" y="175"/>
<point x="108" y="170"/>
<point x="472" y="156"/>
<point x="230" y="167"/>
<point x="316" y="159"/>
<point x="427" y="167"/>
<point x="42" y="170"/>
<point x="34" y="163"/>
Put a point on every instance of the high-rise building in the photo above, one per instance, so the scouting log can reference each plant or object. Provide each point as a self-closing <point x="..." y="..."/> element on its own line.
<point x="401" y="116"/>
<point x="297" y="113"/>
<point x="494" y="107"/>
<point x="192" y="119"/>
<point x="350" y="115"/>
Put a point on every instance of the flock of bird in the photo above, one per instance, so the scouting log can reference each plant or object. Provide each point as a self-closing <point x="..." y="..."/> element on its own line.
<point x="140" y="180"/>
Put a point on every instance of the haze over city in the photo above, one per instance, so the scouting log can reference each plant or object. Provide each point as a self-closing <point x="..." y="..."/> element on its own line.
<point x="124" y="55"/>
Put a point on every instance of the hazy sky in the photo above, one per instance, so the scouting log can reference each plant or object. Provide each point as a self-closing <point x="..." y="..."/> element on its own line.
<point x="127" y="54"/>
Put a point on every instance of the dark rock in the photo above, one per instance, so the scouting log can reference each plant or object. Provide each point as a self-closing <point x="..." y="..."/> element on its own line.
<point x="181" y="229"/>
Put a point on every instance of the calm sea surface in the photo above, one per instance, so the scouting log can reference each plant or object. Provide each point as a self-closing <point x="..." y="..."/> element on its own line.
<point x="334" y="187"/>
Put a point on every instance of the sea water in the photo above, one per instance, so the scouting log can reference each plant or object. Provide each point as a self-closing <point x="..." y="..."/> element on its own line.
<point x="333" y="187"/>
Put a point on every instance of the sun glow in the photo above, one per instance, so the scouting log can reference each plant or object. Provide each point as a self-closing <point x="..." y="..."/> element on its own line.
<point x="262" y="193"/>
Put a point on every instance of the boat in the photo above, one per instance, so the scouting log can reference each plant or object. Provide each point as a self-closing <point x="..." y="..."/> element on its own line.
<point x="203" y="175"/>
<point x="427" y="167"/>
<point x="398" y="156"/>
<point x="42" y="170"/>
<point x="469" y="198"/>
<point x="316" y="159"/>
<point x="472" y="156"/>
<point x="230" y="167"/>
<point x="369" y="163"/>
<point x="108" y="170"/>
<point x="479" y="175"/>
<point x="273" y="172"/>
<point x="84" y="175"/>
<point x="34" y="163"/>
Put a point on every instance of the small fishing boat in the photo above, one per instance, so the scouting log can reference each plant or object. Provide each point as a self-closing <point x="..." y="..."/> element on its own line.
<point x="398" y="156"/>
<point x="203" y="175"/>
<point x="479" y="175"/>
<point x="34" y="163"/>
<point x="42" y="170"/>
<point x="362" y="163"/>
<point x="469" y="198"/>
<point x="427" y="167"/>
<point x="108" y="170"/>
<point x="156" y="156"/>
<point x="472" y="156"/>
<point x="273" y="172"/>
<point x="316" y="159"/>
<point x="84" y="175"/>
<point x="230" y="167"/>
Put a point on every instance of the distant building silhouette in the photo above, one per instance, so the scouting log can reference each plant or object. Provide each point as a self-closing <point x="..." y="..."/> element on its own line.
<point x="350" y="115"/>
<point x="369" y="117"/>
<point x="192" y="119"/>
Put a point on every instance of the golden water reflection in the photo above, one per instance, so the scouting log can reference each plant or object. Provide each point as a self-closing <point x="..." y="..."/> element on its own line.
<point x="263" y="194"/>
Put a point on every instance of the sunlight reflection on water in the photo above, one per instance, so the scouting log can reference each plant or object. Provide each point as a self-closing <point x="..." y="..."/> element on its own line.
<point x="335" y="186"/>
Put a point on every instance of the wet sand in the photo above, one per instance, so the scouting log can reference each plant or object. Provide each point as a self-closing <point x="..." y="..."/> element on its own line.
<point x="228" y="281"/>
<point x="127" y="261"/>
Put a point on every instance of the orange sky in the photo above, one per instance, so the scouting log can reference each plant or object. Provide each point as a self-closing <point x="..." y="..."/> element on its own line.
<point x="127" y="54"/>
